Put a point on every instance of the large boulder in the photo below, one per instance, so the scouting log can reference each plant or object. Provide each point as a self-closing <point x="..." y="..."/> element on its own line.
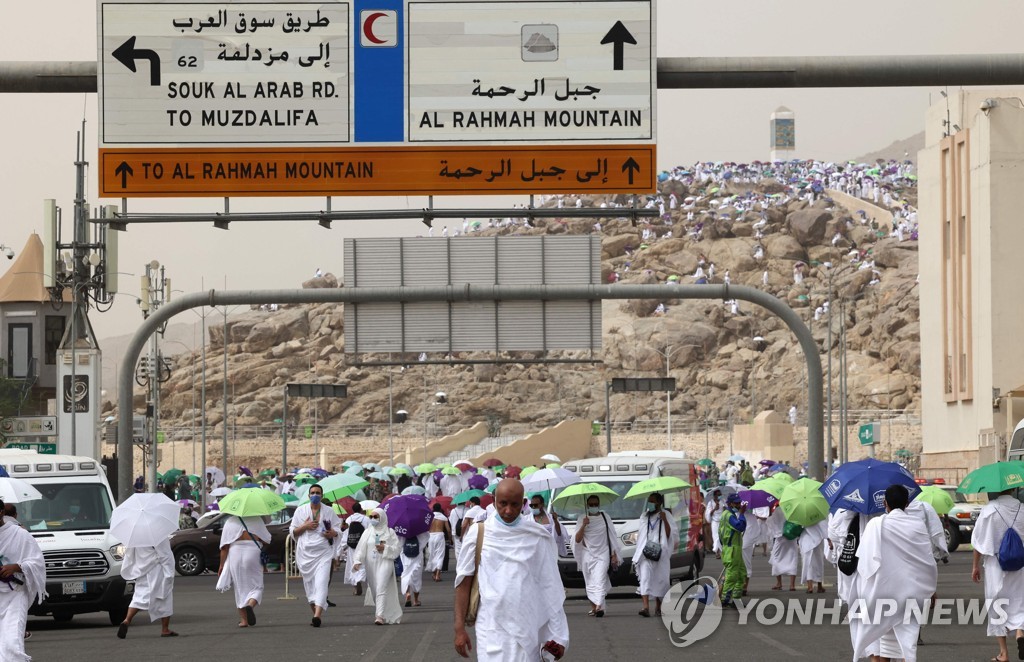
<point x="616" y="246"/>
<point x="784" y="247"/>
<point x="808" y="226"/>
<point x="327" y="280"/>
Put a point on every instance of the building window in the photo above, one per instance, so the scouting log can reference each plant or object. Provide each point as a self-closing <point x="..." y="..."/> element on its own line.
<point x="19" y="350"/>
<point x="957" y="305"/>
<point x="53" y="334"/>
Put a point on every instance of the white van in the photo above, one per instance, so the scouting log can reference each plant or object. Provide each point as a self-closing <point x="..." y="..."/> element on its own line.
<point x="71" y="524"/>
<point x="620" y="471"/>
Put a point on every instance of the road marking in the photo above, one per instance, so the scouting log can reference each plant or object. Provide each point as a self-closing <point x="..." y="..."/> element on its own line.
<point x="421" y="649"/>
<point x="777" y="644"/>
<point x="389" y="634"/>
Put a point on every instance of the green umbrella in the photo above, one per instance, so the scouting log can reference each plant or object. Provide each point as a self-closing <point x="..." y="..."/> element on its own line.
<point x="705" y="462"/>
<point x="543" y="494"/>
<point x="490" y="488"/>
<point x="463" y="497"/>
<point x="553" y="465"/>
<point x="305" y="479"/>
<point x="449" y="470"/>
<point x="424" y="468"/>
<point x="771" y="486"/>
<point x="251" y="503"/>
<point x="338" y="509"/>
<point x="527" y="471"/>
<point x="399" y="471"/>
<point x="575" y="496"/>
<point x="339" y="486"/>
<point x="289" y="498"/>
<point x="379" y="475"/>
<point x="782" y="477"/>
<point x="351" y="463"/>
<point x="661" y="484"/>
<point x="159" y="476"/>
<point x="172" y="475"/>
<point x="937" y="498"/>
<point x="995" y="477"/>
<point x="498" y="468"/>
<point x="192" y="478"/>
<point x="802" y="503"/>
<point x="269" y="473"/>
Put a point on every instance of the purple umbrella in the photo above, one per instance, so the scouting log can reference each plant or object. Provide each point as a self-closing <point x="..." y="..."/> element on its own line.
<point x="756" y="498"/>
<point x="478" y="482"/>
<point x="767" y="463"/>
<point x="409" y="514"/>
<point x="438" y="476"/>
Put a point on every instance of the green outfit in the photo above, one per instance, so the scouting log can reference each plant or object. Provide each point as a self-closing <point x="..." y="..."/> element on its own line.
<point x="730" y="532"/>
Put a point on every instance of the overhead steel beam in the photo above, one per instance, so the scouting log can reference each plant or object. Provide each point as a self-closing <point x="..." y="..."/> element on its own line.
<point x="678" y="72"/>
<point x="126" y="372"/>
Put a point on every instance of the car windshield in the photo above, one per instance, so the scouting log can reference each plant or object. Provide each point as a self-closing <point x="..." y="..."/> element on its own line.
<point x="67" y="507"/>
<point x="621" y="509"/>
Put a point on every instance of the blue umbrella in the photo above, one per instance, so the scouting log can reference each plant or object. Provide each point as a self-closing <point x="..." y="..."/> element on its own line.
<point x="860" y="486"/>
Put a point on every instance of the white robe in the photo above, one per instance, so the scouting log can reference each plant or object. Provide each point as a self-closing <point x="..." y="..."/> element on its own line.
<point x="436" y="547"/>
<point x="812" y="554"/>
<point x="518" y="576"/>
<point x="992" y="523"/>
<point x="451" y="485"/>
<point x="558" y="533"/>
<point x="715" y="521"/>
<point x="838" y="526"/>
<point x="412" y="567"/>
<point x="593" y="556"/>
<point x="785" y="556"/>
<point x="242" y="570"/>
<point x="458" y="512"/>
<point x="18" y="546"/>
<point x="353" y="577"/>
<point x="654" y="575"/>
<point x="152" y="570"/>
<point x="314" y="553"/>
<point x="934" y="525"/>
<point x="755" y="534"/>
<point x="381" y="584"/>
<point x="894" y="563"/>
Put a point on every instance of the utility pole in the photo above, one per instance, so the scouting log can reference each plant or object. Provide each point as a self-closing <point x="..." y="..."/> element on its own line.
<point x="156" y="291"/>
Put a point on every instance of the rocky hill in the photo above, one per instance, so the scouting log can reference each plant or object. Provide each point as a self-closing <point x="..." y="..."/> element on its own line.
<point x="729" y="362"/>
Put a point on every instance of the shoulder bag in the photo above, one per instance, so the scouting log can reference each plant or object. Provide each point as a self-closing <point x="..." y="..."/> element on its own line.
<point x="474" y="588"/>
<point x="652" y="550"/>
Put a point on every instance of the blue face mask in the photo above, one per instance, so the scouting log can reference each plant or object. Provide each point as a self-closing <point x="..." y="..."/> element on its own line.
<point x="536" y="512"/>
<point x="651" y="507"/>
<point x="315" y="499"/>
<point x="74" y="510"/>
<point x="502" y="520"/>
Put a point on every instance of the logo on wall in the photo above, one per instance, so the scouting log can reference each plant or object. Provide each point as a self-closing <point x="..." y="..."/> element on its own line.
<point x="78" y="393"/>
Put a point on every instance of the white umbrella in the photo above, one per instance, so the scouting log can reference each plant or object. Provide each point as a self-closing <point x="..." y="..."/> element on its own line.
<point x="218" y="475"/>
<point x="550" y="479"/>
<point x="15" y="490"/>
<point x="369" y="505"/>
<point x="144" y="519"/>
<point x="221" y="491"/>
<point x="550" y="458"/>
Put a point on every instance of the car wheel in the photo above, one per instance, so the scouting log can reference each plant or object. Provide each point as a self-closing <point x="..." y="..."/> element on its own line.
<point x="952" y="537"/>
<point x="63" y="616"/>
<point x="189" y="561"/>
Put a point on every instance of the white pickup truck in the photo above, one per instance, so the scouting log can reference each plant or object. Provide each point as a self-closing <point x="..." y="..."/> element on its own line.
<point x="71" y="524"/>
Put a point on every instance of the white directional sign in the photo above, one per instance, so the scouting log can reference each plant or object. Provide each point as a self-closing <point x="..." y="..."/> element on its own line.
<point x="226" y="73"/>
<point x="531" y="71"/>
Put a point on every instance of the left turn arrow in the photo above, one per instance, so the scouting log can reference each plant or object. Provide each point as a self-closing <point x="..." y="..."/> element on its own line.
<point x="127" y="54"/>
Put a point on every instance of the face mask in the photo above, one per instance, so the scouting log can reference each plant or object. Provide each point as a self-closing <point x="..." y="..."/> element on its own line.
<point x="536" y="512"/>
<point x="74" y="510"/>
<point x="651" y="507"/>
<point x="512" y="523"/>
<point x="593" y="510"/>
<point x="376" y="523"/>
<point x="315" y="499"/>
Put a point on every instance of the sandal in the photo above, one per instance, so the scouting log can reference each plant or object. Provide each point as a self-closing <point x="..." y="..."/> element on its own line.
<point x="599" y="613"/>
<point x="1020" y="648"/>
<point x="379" y="621"/>
<point x="315" y="622"/>
<point x="122" y="630"/>
<point x="590" y="613"/>
<point x="172" y="633"/>
<point x="776" y="588"/>
<point x="645" y="613"/>
<point x="250" y="615"/>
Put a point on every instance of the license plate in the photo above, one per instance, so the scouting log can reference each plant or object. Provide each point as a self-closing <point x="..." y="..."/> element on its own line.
<point x="73" y="588"/>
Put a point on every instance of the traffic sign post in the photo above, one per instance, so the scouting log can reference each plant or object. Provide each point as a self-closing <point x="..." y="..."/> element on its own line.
<point x="41" y="448"/>
<point x="376" y="98"/>
<point x="28" y="426"/>
<point x="869" y="435"/>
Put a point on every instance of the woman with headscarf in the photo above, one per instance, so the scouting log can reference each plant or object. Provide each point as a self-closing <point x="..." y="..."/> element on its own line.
<point x="314" y="528"/>
<point x="377" y="550"/>
<point x="241" y="541"/>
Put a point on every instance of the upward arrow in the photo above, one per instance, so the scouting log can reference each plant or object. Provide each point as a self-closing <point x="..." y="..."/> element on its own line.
<point x="127" y="54"/>
<point x="632" y="166"/>
<point x="618" y="36"/>
<point x="124" y="170"/>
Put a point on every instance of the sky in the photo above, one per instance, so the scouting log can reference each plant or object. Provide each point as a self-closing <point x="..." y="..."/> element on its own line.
<point x="37" y="131"/>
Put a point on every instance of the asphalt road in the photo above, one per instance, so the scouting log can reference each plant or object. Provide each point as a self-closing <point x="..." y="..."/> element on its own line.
<point x="207" y="622"/>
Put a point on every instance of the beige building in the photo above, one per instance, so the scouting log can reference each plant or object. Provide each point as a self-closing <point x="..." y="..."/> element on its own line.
<point x="971" y="193"/>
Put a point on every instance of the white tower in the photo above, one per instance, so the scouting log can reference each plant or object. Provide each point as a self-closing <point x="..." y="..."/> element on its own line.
<point x="783" y="134"/>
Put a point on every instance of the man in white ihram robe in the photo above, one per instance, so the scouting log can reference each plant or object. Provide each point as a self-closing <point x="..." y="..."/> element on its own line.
<point x="785" y="556"/>
<point x="894" y="566"/>
<point x="377" y="551"/>
<point x="354" y="577"/>
<point x="596" y="546"/>
<point x="662" y="527"/>
<point x="755" y="534"/>
<point x="22" y="580"/>
<point x="924" y="510"/>
<point x="812" y="555"/>
<point x="457" y="514"/>
<point x="437" y="544"/>
<point x="521" y="593"/>
<point x="838" y="527"/>
<point x="713" y="515"/>
<point x="412" y="569"/>
<point x="994" y="519"/>
<point x="152" y="570"/>
<point x="315" y="535"/>
<point x="240" y="565"/>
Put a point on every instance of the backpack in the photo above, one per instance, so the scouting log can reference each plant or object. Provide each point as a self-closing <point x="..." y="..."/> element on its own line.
<point x="355" y="532"/>
<point x="458" y="527"/>
<point x="847" y="562"/>
<point x="1011" y="549"/>
<point x="411" y="548"/>
<point x="791" y="530"/>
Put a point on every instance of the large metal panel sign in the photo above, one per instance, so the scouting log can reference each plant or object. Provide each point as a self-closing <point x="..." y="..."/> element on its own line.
<point x="376" y="97"/>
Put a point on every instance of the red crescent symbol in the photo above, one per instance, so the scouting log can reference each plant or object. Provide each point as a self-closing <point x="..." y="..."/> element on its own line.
<point x="368" y="27"/>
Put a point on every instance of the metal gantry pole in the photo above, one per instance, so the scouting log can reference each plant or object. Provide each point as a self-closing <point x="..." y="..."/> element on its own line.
<point x="473" y="293"/>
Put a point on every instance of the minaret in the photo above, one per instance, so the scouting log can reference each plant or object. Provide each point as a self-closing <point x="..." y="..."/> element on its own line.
<point x="783" y="134"/>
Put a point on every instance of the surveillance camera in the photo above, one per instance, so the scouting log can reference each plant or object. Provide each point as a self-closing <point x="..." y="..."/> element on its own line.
<point x="9" y="252"/>
<point x="987" y="105"/>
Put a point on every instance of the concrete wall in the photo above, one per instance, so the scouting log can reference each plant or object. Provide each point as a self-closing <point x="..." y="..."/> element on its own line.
<point x="569" y="440"/>
<point x="880" y="214"/>
<point x="767" y="437"/>
<point x="449" y="444"/>
<point x="951" y="430"/>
